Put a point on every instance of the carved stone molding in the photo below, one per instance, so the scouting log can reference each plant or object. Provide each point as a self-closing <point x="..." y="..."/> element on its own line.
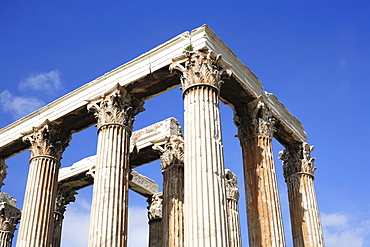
<point x="255" y="119"/>
<point x="65" y="196"/>
<point x="117" y="107"/>
<point x="172" y="151"/>
<point x="155" y="206"/>
<point x="9" y="214"/>
<point x="232" y="189"/>
<point x="47" y="140"/>
<point x="200" y="67"/>
<point x="297" y="160"/>
<point x="3" y="172"/>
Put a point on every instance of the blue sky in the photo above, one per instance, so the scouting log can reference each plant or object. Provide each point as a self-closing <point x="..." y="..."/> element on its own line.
<point x="314" y="56"/>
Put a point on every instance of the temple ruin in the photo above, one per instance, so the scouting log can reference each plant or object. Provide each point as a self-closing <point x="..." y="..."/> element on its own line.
<point x="199" y="204"/>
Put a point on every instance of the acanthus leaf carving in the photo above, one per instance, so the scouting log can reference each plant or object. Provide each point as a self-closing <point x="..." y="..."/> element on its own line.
<point x="9" y="214"/>
<point x="172" y="152"/>
<point x="47" y="139"/>
<point x="117" y="107"/>
<point x="232" y="189"/>
<point x="200" y="67"/>
<point x="255" y="119"/>
<point x="65" y="195"/>
<point x="155" y="206"/>
<point x="297" y="160"/>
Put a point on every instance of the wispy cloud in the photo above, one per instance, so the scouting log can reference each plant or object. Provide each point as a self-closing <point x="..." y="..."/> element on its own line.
<point x="18" y="106"/>
<point x="341" y="230"/>
<point x="345" y="59"/>
<point x="77" y="220"/>
<point x="47" y="82"/>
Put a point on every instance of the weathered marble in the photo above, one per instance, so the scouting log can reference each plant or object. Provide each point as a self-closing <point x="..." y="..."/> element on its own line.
<point x="9" y="218"/>
<point x="172" y="157"/>
<point x="155" y="220"/>
<point x="255" y="130"/>
<point x="204" y="193"/>
<point x="232" y="196"/>
<point x="65" y="195"/>
<point x="115" y="113"/>
<point x="47" y="145"/>
<point x="299" y="170"/>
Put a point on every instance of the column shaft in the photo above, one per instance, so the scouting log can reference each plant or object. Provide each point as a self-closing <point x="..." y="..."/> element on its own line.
<point x="39" y="201"/>
<point x="304" y="213"/>
<point x="109" y="219"/>
<point x="205" y="200"/>
<point x="232" y="195"/>
<point x="47" y="143"/>
<point x="155" y="220"/>
<point x="173" y="197"/>
<point x="65" y="195"/>
<point x="204" y="193"/>
<point x="265" y="225"/>
<point x="108" y="226"/>
<point x="172" y="156"/>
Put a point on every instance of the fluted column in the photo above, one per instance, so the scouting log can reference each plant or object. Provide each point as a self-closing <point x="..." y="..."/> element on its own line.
<point x="204" y="192"/>
<point x="47" y="144"/>
<point x="65" y="195"/>
<point x="9" y="218"/>
<point x="255" y="131"/>
<point x="155" y="220"/>
<point x="115" y="113"/>
<point x="299" y="170"/>
<point x="172" y="156"/>
<point x="232" y="196"/>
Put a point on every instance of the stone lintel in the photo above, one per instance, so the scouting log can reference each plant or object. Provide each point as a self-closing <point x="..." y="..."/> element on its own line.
<point x="145" y="77"/>
<point x="76" y="177"/>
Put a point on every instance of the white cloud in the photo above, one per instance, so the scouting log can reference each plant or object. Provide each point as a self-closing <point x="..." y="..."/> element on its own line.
<point x="18" y="106"/>
<point x="138" y="227"/>
<point x="341" y="230"/>
<point x="47" y="82"/>
<point x="76" y="224"/>
<point x="77" y="220"/>
<point x="334" y="220"/>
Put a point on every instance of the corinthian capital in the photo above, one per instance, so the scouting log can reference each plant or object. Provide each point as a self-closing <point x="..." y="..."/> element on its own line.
<point x="232" y="189"/>
<point x="155" y="206"/>
<point x="297" y="160"/>
<point x="116" y="107"/>
<point x="254" y="119"/>
<point x="47" y="139"/>
<point x="65" y="196"/>
<point x="9" y="214"/>
<point x="172" y="151"/>
<point x="200" y="67"/>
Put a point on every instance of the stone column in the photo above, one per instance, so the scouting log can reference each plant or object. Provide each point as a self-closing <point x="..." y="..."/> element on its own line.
<point x="255" y="130"/>
<point x="155" y="220"/>
<point x="204" y="192"/>
<point x="65" y="195"/>
<point x="115" y="113"/>
<point x="47" y="145"/>
<point x="9" y="218"/>
<point x="232" y="196"/>
<point x="299" y="170"/>
<point x="173" y="191"/>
